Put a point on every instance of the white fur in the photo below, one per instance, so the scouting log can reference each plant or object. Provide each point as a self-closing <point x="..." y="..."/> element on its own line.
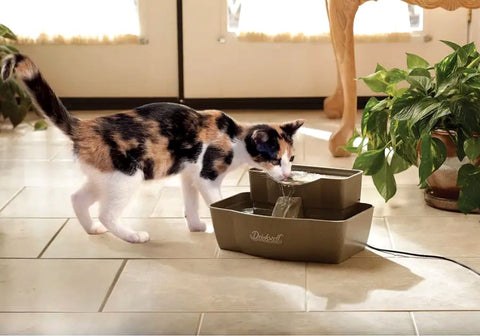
<point x="114" y="190"/>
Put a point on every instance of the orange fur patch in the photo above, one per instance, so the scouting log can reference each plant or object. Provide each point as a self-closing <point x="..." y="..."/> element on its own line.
<point x="91" y="147"/>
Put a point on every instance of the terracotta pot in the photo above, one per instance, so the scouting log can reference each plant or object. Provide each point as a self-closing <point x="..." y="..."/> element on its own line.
<point x="443" y="182"/>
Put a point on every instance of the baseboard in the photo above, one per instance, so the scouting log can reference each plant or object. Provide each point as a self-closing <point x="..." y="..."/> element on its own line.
<point x="263" y="103"/>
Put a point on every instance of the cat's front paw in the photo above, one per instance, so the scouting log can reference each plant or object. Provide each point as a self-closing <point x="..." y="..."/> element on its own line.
<point x="197" y="226"/>
<point x="138" y="237"/>
<point x="96" y="228"/>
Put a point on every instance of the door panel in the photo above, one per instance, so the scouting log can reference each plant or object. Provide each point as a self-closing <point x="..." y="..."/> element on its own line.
<point x="257" y="69"/>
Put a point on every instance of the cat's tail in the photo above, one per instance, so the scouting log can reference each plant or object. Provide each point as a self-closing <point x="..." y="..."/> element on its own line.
<point x="27" y="73"/>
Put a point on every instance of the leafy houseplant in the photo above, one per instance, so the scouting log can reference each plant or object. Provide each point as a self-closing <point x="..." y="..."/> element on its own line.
<point x="14" y="101"/>
<point x="400" y="131"/>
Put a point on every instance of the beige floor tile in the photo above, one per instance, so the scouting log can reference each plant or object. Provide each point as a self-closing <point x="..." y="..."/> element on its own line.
<point x="26" y="238"/>
<point x="392" y="284"/>
<point x="7" y="194"/>
<point x="25" y="134"/>
<point x="325" y="323"/>
<point x="448" y="323"/>
<point x="55" y="285"/>
<point x="64" y="154"/>
<point x="407" y="202"/>
<point x="196" y="285"/>
<point x="40" y="174"/>
<point x="36" y="151"/>
<point x="55" y="202"/>
<point x="226" y="254"/>
<point x="99" y="323"/>
<point x="169" y="238"/>
<point x="378" y="237"/>
<point x="170" y="203"/>
<point x="446" y="236"/>
<point x="407" y="177"/>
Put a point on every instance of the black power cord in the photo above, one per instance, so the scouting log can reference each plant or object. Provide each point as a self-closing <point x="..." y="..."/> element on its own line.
<point x="402" y="253"/>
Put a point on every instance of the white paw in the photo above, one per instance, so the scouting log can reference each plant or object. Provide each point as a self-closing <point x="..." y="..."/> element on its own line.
<point x="138" y="237"/>
<point x="197" y="226"/>
<point x="97" y="228"/>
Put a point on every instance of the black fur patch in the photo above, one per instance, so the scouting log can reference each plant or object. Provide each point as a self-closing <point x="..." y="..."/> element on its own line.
<point x="148" y="169"/>
<point x="227" y="125"/>
<point x="265" y="151"/>
<point x="211" y="155"/>
<point x="50" y="104"/>
<point x="228" y="158"/>
<point x="180" y="125"/>
<point x="129" y="129"/>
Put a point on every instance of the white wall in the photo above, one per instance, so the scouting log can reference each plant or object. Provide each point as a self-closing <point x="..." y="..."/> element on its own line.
<point x="231" y="69"/>
<point x="129" y="70"/>
<point x="253" y="69"/>
<point x="475" y="27"/>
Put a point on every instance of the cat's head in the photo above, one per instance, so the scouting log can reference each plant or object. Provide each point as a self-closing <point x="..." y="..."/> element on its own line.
<point x="271" y="147"/>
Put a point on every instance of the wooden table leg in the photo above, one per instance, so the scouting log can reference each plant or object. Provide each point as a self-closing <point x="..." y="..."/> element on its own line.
<point x="342" y="14"/>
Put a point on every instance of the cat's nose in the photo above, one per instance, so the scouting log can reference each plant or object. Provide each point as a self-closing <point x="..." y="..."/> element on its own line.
<point x="286" y="175"/>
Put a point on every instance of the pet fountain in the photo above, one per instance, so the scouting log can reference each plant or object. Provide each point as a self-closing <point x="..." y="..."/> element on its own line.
<point x="321" y="220"/>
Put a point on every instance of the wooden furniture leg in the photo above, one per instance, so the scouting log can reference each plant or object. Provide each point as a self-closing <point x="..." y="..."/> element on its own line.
<point x="333" y="105"/>
<point x="341" y="15"/>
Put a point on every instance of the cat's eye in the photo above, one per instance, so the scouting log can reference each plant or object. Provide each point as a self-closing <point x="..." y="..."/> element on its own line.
<point x="292" y="158"/>
<point x="276" y="162"/>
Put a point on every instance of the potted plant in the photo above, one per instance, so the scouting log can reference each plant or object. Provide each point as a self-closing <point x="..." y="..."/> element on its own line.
<point x="14" y="101"/>
<point x="429" y="119"/>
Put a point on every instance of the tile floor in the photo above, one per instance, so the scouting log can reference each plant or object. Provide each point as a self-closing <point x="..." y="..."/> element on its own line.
<point x="55" y="279"/>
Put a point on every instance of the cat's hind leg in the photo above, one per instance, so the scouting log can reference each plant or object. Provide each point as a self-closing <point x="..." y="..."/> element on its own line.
<point x="81" y="202"/>
<point x="116" y="190"/>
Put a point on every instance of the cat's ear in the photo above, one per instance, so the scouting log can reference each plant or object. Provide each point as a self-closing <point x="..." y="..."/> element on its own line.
<point x="291" y="127"/>
<point x="260" y="136"/>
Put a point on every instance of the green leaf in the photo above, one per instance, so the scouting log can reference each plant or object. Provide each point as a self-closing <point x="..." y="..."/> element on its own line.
<point x="398" y="164"/>
<point x="395" y="75"/>
<point x="417" y="110"/>
<point x="8" y="49"/>
<point x="445" y="68"/>
<point x="433" y="154"/>
<point x="472" y="148"/>
<point x="385" y="182"/>
<point x="420" y="79"/>
<point x="376" y="81"/>
<point x="40" y="125"/>
<point x="9" y="108"/>
<point x="469" y="181"/>
<point x="5" y="32"/>
<point x="380" y="67"/>
<point x="415" y="61"/>
<point x="440" y="112"/>
<point x="452" y="45"/>
<point x="349" y="147"/>
<point x="17" y="117"/>
<point x="370" y="162"/>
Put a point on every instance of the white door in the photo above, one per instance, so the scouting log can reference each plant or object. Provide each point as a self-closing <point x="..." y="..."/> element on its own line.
<point x="218" y="65"/>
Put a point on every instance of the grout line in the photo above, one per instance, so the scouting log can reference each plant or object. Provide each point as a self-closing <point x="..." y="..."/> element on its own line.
<point x="114" y="282"/>
<point x="241" y="178"/>
<point x="52" y="239"/>
<point x="237" y="311"/>
<point x="12" y="198"/>
<point x="412" y="317"/>
<point x="200" y="322"/>
<point x="389" y="232"/>
<point x="306" y="291"/>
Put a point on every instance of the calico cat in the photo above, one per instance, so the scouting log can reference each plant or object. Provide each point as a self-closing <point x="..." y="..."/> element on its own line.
<point x="118" y="151"/>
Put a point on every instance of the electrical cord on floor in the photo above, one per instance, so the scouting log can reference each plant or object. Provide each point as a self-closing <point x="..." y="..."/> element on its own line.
<point x="402" y="253"/>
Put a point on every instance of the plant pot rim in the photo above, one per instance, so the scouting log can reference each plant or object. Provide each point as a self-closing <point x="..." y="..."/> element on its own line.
<point x="441" y="131"/>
